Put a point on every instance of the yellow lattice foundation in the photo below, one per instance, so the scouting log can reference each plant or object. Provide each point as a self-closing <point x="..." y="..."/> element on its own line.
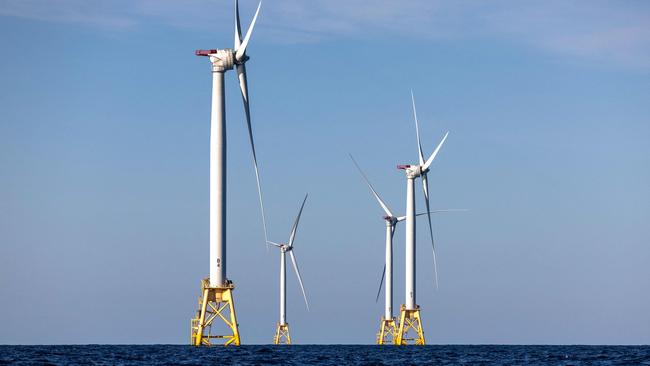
<point x="387" y="331"/>
<point x="216" y="303"/>
<point x="282" y="334"/>
<point x="410" y="321"/>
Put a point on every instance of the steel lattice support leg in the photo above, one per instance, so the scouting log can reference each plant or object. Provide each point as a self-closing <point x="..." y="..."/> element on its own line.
<point x="410" y="321"/>
<point x="387" y="331"/>
<point x="215" y="303"/>
<point x="282" y="334"/>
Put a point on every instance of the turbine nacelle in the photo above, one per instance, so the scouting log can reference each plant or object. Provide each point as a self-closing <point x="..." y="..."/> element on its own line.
<point x="222" y="60"/>
<point x="226" y="52"/>
<point x="391" y="220"/>
<point x="413" y="171"/>
<point x="282" y="246"/>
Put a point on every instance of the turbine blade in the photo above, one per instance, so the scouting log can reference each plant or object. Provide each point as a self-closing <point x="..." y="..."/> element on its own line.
<point x="243" y="86"/>
<point x="292" y="236"/>
<point x="241" y="51"/>
<point x="417" y="130"/>
<point x="381" y="202"/>
<point x="435" y="152"/>
<point x="381" y="283"/>
<point x="237" y="26"/>
<point x="274" y="243"/>
<point x="402" y="218"/>
<point x="425" y="187"/>
<point x="295" y="266"/>
<point x="447" y="210"/>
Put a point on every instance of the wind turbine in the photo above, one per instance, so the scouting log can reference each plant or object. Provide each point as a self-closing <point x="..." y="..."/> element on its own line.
<point x="282" y="330"/>
<point x="410" y="311"/>
<point x="388" y="329"/>
<point x="217" y="298"/>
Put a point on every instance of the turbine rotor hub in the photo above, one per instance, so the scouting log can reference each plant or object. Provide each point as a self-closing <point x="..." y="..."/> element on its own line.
<point x="242" y="60"/>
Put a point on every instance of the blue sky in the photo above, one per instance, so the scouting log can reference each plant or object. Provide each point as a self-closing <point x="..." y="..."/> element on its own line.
<point x="104" y="120"/>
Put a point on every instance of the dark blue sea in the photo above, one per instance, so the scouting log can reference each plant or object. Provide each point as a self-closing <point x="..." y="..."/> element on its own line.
<point x="324" y="355"/>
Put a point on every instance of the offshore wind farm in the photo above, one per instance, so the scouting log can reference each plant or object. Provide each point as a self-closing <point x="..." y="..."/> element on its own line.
<point x="498" y="219"/>
<point x="216" y="303"/>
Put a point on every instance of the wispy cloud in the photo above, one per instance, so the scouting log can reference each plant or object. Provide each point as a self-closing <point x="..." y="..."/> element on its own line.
<point x="92" y="13"/>
<point x="612" y="32"/>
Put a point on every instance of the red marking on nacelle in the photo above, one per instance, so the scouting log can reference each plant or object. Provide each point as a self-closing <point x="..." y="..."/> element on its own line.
<point x="204" y="52"/>
<point x="403" y="166"/>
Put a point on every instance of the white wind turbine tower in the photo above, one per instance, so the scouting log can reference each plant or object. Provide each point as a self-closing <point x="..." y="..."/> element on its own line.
<point x="282" y="330"/>
<point x="410" y="311"/>
<point x="388" y="330"/>
<point x="217" y="297"/>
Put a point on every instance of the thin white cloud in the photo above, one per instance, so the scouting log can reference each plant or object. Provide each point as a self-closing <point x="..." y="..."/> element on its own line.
<point x="611" y="32"/>
<point x="615" y="32"/>
<point x="93" y="13"/>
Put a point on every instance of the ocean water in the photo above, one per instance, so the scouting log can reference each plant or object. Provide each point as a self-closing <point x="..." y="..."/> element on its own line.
<point x="324" y="355"/>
